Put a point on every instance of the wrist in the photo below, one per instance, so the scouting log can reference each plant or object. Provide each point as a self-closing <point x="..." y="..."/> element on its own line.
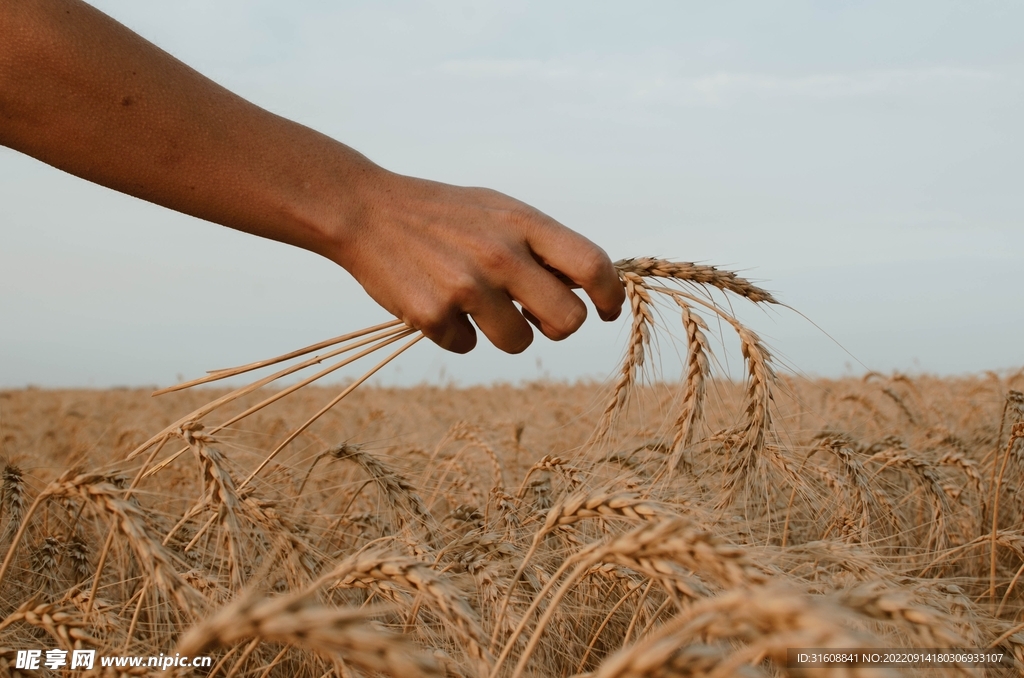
<point x="337" y="205"/>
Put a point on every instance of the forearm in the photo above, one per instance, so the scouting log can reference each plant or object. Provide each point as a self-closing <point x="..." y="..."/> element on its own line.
<point x="84" y="94"/>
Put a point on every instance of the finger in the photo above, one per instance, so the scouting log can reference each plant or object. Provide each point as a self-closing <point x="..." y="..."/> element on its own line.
<point x="548" y="303"/>
<point x="581" y="261"/>
<point x="531" y="317"/>
<point x="455" y="333"/>
<point x="501" y="322"/>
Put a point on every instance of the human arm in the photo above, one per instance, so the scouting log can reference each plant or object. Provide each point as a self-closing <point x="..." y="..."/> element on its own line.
<point x="83" y="93"/>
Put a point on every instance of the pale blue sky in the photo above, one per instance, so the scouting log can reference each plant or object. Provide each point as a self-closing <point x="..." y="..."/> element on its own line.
<point x="862" y="160"/>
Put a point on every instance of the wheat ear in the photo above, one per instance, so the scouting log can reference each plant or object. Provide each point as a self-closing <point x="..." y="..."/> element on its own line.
<point x="699" y="274"/>
<point x="391" y="483"/>
<point x="66" y="628"/>
<point x="698" y="369"/>
<point x="12" y="500"/>
<point x="768" y="619"/>
<point x="572" y="509"/>
<point x="296" y="620"/>
<point x="642" y="320"/>
<point x="380" y="570"/>
<point x="659" y="549"/>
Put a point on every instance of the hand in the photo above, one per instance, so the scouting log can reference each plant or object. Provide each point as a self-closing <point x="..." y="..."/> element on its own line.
<point x="433" y="254"/>
<point x="85" y="94"/>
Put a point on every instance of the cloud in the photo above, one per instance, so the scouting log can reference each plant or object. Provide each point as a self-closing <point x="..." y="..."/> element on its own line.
<point x="658" y="77"/>
<point x="721" y="87"/>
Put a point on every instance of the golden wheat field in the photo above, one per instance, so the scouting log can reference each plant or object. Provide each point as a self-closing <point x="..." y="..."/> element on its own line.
<point x="692" y="527"/>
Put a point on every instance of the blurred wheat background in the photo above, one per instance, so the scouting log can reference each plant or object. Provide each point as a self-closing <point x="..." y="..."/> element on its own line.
<point x="691" y="527"/>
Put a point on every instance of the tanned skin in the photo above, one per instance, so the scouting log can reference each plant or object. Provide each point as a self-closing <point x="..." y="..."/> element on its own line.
<point x="83" y="93"/>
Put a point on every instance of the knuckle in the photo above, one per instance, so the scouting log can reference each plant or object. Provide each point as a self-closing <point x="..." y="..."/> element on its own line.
<point x="430" y="319"/>
<point x="488" y="195"/>
<point x="524" y="217"/>
<point x="462" y="292"/>
<point x="497" y="259"/>
<point x="443" y="325"/>
<point x="593" y="265"/>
